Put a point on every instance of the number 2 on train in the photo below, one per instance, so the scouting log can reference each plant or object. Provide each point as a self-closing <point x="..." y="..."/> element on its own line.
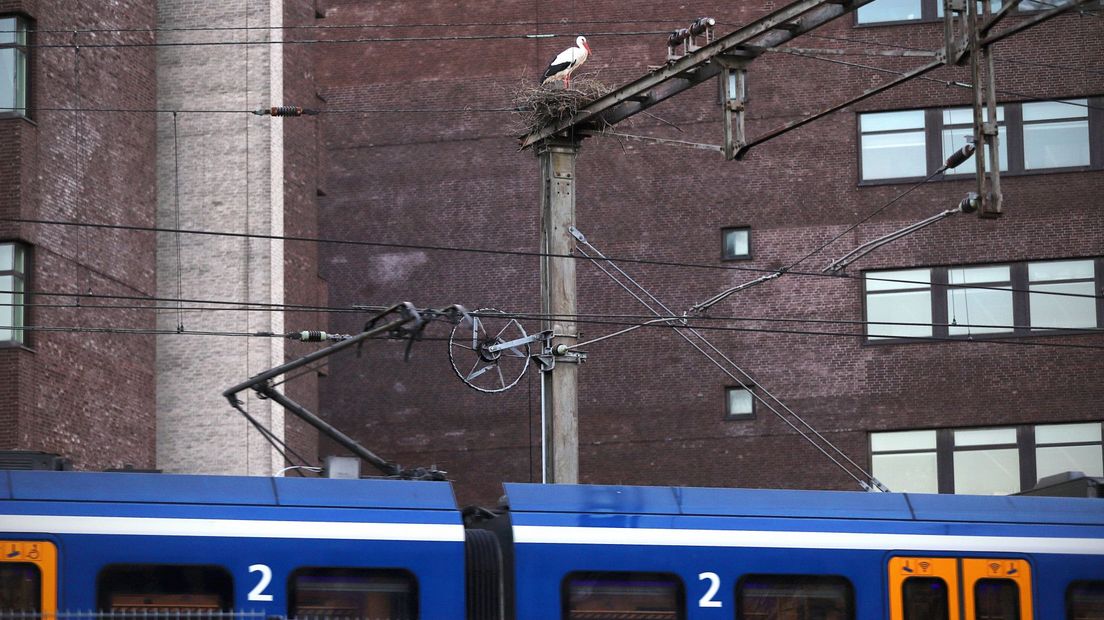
<point x="714" y="584"/>
<point x="258" y="591"/>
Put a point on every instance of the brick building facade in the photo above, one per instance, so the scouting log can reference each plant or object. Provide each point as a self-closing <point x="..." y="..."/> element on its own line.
<point x="87" y="396"/>
<point x="651" y="409"/>
<point x="98" y="142"/>
<point x="418" y="149"/>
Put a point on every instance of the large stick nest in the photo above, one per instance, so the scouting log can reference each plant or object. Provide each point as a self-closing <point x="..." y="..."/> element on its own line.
<point x="538" y="106"/>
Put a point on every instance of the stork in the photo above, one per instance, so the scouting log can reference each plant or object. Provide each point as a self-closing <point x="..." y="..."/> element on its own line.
<point x="566" y="62"/>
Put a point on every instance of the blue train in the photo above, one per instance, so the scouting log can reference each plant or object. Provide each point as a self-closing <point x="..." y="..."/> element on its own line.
<point x="164" y="546"/>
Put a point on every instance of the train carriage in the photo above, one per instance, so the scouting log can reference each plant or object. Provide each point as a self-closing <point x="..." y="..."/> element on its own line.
<point x="637" y="552"/>
<point x="78" y="545"/>
<point x="162" y="544"/>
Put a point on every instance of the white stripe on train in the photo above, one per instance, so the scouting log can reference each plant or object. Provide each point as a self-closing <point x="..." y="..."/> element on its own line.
<point x="231" y="528"/>
<point x="541" y="534"/>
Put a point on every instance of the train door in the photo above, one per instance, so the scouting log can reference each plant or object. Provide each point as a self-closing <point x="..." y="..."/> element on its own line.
<point x="924" y="588"/>
<point x="28" y="578"/>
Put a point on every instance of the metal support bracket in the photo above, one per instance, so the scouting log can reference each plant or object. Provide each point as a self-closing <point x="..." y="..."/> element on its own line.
<point x="734" y="98"/>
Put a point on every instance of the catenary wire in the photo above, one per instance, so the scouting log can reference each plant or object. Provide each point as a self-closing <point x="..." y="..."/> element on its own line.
<point x="632" y="321"/>
<point x="343" y="26"/>
<point x="524" y="253"/>
<point x="759" y="396"/>
<point x="1008" y="340"/>
<point x="996" y="57"/>
<point x="488" y="37"/>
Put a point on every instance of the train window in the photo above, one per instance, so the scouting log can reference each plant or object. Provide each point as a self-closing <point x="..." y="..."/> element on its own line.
<point x="593" y="595"/>
<point x="794" y="597"/>
<point x="925" y="598"/>
<point x="20" y="587"/>
<point x="347" y="593"/>
<point x="1085" y="600"/>
<point x="165" y="589"/>
<point x="996" y="599"/>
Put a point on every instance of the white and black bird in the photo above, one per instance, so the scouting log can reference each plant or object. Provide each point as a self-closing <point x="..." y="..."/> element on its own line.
<point x="566" y="62"/>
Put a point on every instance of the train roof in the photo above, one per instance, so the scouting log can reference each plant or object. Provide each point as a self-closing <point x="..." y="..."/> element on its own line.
<point x="592" y="499"/>
<point x="224" y="490"/>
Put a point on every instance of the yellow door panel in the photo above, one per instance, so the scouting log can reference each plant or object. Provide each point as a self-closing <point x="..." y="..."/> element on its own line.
<point x="43" y="556"/>
<point x="939" y="575"/>
<point x="997" y="574"/>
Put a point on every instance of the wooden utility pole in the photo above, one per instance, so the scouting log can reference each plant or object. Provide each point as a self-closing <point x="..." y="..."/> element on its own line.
<point x="559" y="383"/>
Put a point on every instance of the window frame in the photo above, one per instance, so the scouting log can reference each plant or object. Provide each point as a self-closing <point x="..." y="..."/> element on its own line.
<point x="1025" y="444"/>
<point x="725" y="256"/>
<point x="1022" y="321"/>
<point x="728" y="401"/>
<point x="20" y="338"/>
<point x="1012" y="133"/>
<point x="22" y="27"/>
<point x="929" y="12"/>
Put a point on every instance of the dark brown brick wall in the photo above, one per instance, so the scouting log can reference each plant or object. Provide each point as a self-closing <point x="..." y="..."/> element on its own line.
<point x="88" y="396"/>
<point x="302" y="284"/>
<point x="651" y="408"/>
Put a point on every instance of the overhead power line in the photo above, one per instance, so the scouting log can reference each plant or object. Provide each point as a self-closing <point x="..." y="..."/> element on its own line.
<point x="564" y="22"/>
<point x="483" y="37"/>
<point x="531" y="254"/>
<point x="671" y="323"/>
<point x="628" y="320"/>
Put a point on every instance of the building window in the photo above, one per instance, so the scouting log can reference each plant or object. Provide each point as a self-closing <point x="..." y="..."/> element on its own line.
<point x="892" y="144"/>
<point x="1072" y="277"/>
<point x="13" y="269"/>
<point x="351" y="593"/>
<point x="13" y="66"/>
<point x="1068" y="447"/>
<point x="1056" y="134"/>
<point x="1017" y="299"/>
<point x="597" y="595"/>
<point x="735" y="243"/>
<point x="1033" y="136"/>
<point x="890" y="11"/>
<point x="898" y="304"/>
<point x="958" y="129"/>
<point x="905" y="461"/>
<point x="984" y="461"/>
<point x="739" y="403"/>
<point x="983" y="310"/>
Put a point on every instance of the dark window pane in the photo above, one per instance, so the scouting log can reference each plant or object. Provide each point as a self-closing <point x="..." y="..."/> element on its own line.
<point x="997" y="599"/>
<point x="20" y="587"/>
<point x="622" y="596"/>
<point x="1085" y="600"/>
<point x="925" y="598"/>
<point x="378" y="594"/>
<point x="164" y="590"/>
<point x="794" y="597"/>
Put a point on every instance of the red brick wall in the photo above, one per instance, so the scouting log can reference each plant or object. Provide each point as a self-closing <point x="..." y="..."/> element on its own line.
<point x="650" y="407"/>
<point x="87" y="396"/>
